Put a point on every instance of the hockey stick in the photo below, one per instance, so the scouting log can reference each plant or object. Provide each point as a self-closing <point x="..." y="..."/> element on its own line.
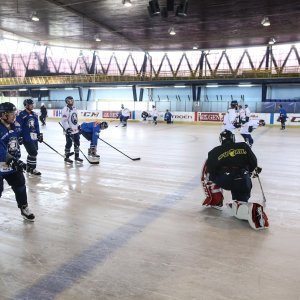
<point x="262" y="191"/>
<point x="137" y="158"/>
<point x="57" y="151"/>
<point x="91" y="162"/>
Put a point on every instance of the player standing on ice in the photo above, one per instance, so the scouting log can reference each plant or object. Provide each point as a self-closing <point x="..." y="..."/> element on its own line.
<point x="282" y="116"/>
<point x="70" y="124"/>
<point x="31" y="134"/>
<point x="230" y="121"/>
<point x="125" y="114"/>
<point x="91" y="131"/>
<point x="154" y="114"/>
<point x="248" y="127"/>
<point x="11" y="167"/>
<point x="229" y="167"/>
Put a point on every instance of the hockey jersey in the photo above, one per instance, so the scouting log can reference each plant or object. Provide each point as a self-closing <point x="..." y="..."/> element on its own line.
<point x="94" y="129"/>
<point x="70" y="119"/>
<point x="9" y="144"/>
<point x="29" y="125"/>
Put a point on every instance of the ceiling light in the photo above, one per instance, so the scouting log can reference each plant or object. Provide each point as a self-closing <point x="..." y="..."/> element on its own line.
<point x="272" y="41"/>
<point x="245" y="85"/>
<point x="127" y="3"/>
<point x="212" y="85"/>
<point x="265" y="21"/>
<point x="195" y="47"/>
<point x="172" y="31"/>
<point x="34" y="17"/>
<point x="181" y="10"/>
<point x="97" y="38"/>
<point x="153" y="8"/>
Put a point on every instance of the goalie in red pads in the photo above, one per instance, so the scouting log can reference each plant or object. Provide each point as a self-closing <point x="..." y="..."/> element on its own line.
<point x="229" y="167"/>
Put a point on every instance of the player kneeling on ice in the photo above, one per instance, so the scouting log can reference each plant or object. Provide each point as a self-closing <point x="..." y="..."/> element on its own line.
<point x="91" y="131"/>
<point x="229" y="167"/>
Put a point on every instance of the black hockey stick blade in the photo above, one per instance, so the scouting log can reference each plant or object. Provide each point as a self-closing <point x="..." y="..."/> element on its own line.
<point x="134" y="159"/>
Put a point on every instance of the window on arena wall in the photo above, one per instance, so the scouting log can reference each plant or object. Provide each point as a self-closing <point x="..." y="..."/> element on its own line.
<point x="17" y="56"/>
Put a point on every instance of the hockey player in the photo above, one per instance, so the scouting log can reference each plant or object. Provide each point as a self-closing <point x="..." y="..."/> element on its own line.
<point x="154" y="114"/>
<point x="242" y="115"/>
<point x="229" y="167"/>
<point x="248" y="127"/>
<point x="91" y="131"/>
<point x="11" y="167"/>
<point x="282" y="116"/>
<point x="43" y="115"/>
<point x="247" y="112"/>
<point x="31" y="134"/>
<point x="125" y="114"/>
<point x="230" y="121"/>
<point x="168" y="117"/>
<point x="70" y="125"/>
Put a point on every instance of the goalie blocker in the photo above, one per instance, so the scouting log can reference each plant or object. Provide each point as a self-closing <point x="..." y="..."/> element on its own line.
<point x="251" y="212"/>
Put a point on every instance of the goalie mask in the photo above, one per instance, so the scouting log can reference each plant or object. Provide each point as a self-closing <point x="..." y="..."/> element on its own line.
<point x="261" y="123"/>
<point x="226" y="136"/>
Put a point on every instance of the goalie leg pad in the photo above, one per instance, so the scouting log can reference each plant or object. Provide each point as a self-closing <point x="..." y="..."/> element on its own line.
<point x="240" y="210"/>
<point x="214" y="194"/>
<point x="257" y="217"/>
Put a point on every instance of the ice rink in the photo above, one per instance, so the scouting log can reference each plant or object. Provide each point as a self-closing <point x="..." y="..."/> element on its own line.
<point x="136" y="230"/>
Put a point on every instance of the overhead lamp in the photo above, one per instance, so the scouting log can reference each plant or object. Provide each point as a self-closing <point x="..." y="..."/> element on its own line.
<point x="182" y="8"/>
<point x="153" y="8"/>
<point x="265" y="21"/>
<point x="212" y="86"/>
<point x="34" y="17"/>
<point x="272" y="41"/>
<point x="127" y="3"/>
<point x="195" y="47"/>
<point x="172" y="31"/>
<point x="245" y="85"/>
<point x="97" y="38"/>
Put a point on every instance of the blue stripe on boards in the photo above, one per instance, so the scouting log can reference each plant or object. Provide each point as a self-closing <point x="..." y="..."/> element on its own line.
<point x="69" y="273"/>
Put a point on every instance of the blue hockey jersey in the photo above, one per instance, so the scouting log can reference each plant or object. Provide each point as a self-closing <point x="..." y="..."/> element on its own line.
<point x="9" y="144"/>
<point x="94" y="129"/>
<point x="29" y="125"/>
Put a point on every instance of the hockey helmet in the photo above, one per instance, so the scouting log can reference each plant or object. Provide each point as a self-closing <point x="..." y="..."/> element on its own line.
<point x="69" y="98"/>
<point x="122" y="106"/>
<point x="227" y="136"/>
<point x="234" y="104"/>
<point x="144" y="115"/>
<point x="103" y="125"/>
<point x="28" y="102"/>
<point x="7" y="107"/>
<point x="261" y="122"/>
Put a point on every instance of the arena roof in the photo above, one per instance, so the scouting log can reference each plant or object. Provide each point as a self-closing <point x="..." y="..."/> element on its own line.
<point x="204" y="24"/>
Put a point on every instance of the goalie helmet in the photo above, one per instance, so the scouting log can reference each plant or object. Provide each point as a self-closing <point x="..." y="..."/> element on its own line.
<point x="103" y="125"/>
<point x="7" y="107"/>
<point x="28" y="102"/>
<point x="261" y="122"/>
<point x="226" y="136"/>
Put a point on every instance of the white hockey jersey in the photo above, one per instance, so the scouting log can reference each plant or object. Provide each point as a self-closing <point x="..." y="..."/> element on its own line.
<point x="70" y="119"/>
<point x="245" y="127"/>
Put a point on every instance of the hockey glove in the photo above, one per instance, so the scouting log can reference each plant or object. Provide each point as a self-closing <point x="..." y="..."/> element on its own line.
<point x="40" y="137"/>
<point x="20" y="140"/>
<point x="69" y="132"/>
<point x="79" y="129"/>
<point x="250" y="129"/>
<point x="16" y="164"/>
<point x="257" y="171"/>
